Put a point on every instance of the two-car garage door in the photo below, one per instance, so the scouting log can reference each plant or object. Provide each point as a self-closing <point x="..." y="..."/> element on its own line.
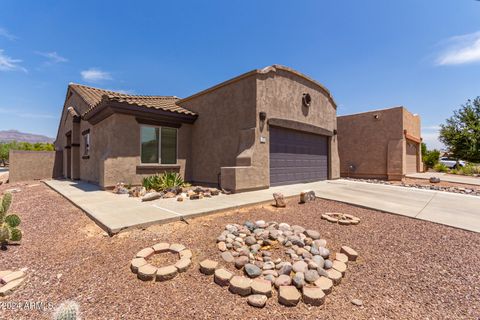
<point x="297" y="156"/>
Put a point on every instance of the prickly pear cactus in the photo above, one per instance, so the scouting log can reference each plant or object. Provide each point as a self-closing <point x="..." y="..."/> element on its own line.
<point x="69" y="310"/>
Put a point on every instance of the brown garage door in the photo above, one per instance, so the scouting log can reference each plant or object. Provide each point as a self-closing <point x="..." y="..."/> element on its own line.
<point x="411" y="156"/>
<point x="297" y="156"/>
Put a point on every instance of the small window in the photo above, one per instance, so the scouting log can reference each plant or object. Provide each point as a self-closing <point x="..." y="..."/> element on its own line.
<point x="158" y="145"/>
<point x="86" y="144"/>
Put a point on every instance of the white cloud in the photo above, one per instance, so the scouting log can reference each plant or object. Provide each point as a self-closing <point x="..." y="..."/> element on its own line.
<point x="5" y="34"/>
<point x="95" y="75"/>
<point x="10" y="64"/>
<point x="53" y="57"/>
<point x="23" y="114"/>
<point x="430" y="137"/>
<point x="461" y="50"/>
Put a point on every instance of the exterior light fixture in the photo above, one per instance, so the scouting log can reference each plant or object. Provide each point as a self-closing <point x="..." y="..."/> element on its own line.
<point x="306" y="99"/>
<point x="262" y="115"/>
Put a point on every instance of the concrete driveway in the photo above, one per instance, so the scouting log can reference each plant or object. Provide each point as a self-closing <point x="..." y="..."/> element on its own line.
<point x="456" y="210"/>
<point x="115" y="213"/>
<point x="446" y="177"/>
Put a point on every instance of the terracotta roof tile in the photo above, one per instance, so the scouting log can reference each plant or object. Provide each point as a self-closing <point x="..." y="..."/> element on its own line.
<point x="93" y="97"/>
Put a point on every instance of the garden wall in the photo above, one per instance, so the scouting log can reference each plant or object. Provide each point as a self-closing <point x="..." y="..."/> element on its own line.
<point x="34" y="165"/>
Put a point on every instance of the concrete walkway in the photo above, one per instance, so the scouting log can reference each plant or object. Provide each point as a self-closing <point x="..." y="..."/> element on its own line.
<point x="115" y="213"/>
<point x="446" y="177"/>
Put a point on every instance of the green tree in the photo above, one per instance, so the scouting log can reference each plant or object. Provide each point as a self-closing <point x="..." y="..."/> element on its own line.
<point x="6" y="147"/>
<point x="461" y="132"/>
<point x="429" y="157"/>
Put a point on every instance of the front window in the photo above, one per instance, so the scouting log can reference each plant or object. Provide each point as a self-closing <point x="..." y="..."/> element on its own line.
<point x="86" y="144"/>
<point x="158" y="145"/>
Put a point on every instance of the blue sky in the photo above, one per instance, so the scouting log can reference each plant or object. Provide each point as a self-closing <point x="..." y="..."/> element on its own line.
<point x="371" y="54"/>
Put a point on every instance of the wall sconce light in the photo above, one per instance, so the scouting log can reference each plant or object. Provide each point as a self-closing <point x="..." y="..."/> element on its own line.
<point x="376" y="116"/>
<point x="306" y="100"/>
<point x="335" y="132"/>
<point x="262" y="115"/>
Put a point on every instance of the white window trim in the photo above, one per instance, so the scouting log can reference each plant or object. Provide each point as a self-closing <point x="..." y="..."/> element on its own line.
<point x="159" y="145"/>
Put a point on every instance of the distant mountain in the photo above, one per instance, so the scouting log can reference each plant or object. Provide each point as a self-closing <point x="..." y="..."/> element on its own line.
<point x="14" y="135"/>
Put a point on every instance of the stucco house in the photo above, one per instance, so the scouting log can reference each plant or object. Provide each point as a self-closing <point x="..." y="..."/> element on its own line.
<point x="380" y="144"/>
<point x="264" y="128"/>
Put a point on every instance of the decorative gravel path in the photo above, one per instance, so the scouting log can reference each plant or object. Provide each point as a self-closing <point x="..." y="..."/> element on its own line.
<point x="406" y="269"/>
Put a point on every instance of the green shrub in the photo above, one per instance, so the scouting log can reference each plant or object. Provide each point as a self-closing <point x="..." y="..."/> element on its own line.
<point x="8" y="224"/>
<point x="440" y="167"/>
<point x="430" y="158"/>
<point x="164" y="181"/>
<point x="469" y="169"/>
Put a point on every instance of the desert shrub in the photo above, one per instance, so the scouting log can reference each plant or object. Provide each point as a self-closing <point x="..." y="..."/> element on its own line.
<point x="430" y="158"/>
<point x="469" y="169"/>
<point x="164" y="181"/>
<point x="440" y="167"/>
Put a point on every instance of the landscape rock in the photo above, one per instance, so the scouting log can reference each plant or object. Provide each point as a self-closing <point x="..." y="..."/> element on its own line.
<point x="288" y="296"/>
<point x="315" y="235"/>
<point x="10" y="287"/>
<point x="176" y="247"/>
<point x="222" y="277"/>
<point x="186" y="254"/>
<point x="279" y="200"/>
<point x="307" y="196"/>
<point x="161" y="247"/>
<point x="240" y="285"/>
<point x="283" y="280"/>
<point x="146" y="272"/>
<point x="357" y="302"/>
<point x="311" y="276"/>
<point x="299" y="280"/>
<point x="145" y="253"/>
<point x="300" y="266"/>
<point x="262" y="286"/>
<point x="137" y="263"/>
<point x="252" y="270"/>
<point x="313" y="296"/>
<point x="241" y="261"/>
<point x="166" y="273"/>
<point x="152" y="196"/>
<point x="349" y="252"/>
<point x="335" y="276"/>
<point x="182" y="265"/>
<point x="257" y="300"/>
<point x="208" y="266"/>
<point x="325" y="284"/>
<point x="227" y="256"/>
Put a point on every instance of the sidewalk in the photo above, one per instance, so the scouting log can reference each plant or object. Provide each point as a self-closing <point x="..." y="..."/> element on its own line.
<point x="115" y="213"/>
<point x="446" y="177"/>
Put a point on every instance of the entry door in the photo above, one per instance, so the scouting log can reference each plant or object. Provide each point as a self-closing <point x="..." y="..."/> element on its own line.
<point x="411" y="155"/>
<point x="297" y="156"/>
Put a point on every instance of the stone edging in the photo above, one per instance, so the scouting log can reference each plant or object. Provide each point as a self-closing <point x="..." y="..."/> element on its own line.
<point x="341" y="218"/>
<point x="10" y="281"/>
<point x="148" y="272"/>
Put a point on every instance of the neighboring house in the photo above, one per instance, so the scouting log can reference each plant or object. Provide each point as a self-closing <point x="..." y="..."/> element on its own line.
<point x="381" y="144"/>
<point x="264" y="128"/>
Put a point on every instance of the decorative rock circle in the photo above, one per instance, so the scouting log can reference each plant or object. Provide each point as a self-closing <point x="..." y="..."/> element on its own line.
<point x="147" y="272"/>
<point x="306" y="269"/>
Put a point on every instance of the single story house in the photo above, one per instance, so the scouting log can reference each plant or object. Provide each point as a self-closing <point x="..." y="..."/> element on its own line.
<point x="264" y="128"/>
<point x="380" y="144"/>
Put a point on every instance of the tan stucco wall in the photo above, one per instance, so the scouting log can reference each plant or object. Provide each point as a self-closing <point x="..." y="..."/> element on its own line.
<point x="116" y="145"/>
<point x="376" y="146"/>
<point x="226" y="135"/>
<point x="33" y="165"/>
<point x="217" y="136"/>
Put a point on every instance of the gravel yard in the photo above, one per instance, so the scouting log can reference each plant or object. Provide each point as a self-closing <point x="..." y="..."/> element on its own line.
<point x="407" y="269"/>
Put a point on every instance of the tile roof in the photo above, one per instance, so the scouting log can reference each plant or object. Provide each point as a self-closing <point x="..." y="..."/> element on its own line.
<point x="93" y="97"/>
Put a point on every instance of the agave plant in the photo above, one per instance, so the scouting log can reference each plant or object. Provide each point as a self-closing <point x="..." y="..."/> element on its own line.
<point x="170" y="180"/>
<point x="164" y="181"/>
<point x="8" y="223"/>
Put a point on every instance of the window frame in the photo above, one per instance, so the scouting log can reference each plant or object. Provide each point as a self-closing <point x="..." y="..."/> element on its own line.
<point x="159" y="163"/>
<point x="86" y="145"/>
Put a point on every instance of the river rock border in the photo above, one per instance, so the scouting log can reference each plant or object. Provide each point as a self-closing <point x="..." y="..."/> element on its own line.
<point x="309" y="277"/>
<point x="147" y="272"/>
<point x="341" y="218"/>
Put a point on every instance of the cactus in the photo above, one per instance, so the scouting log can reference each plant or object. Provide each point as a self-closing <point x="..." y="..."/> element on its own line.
<point x="69" y="310"/>
<point x="5" y="204"/>
<point x="8" y="224"/>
